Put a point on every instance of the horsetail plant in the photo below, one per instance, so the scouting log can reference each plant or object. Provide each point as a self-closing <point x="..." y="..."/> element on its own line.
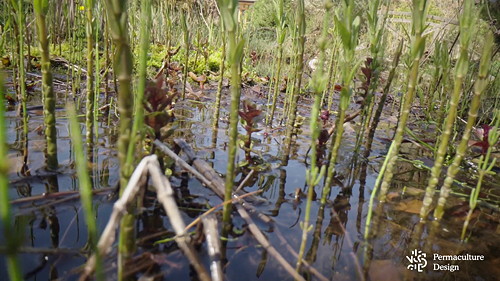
<point x="347" y="26"/>
<point x="381" y="103"/>
<point x="417" y="46"/>
<point x="299" y="42"/>
<point x="185" y="31"/>
<point x="229" y="13"/>
<point x="85" y="187"/>
<point x="466" y="31"/>
<point x="41" y="8"/>
<point x="18" y="9"/>
<point x="122" y="66"/>
<point x="332" y="68"/>
<point x="90" y="29"/>
<point x="372" y="69"/>
<point x="280" y="37"/>
<point x="485" y="167"/>
<point x="479" y="87"/>
<point x="13" y="267"/>
<point x="136" y="134"/>
<point x="315" y="173"/>
<point x="222" y="68"/>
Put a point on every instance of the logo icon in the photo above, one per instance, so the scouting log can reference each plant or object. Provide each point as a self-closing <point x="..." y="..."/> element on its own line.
<point x="417" y="260"/>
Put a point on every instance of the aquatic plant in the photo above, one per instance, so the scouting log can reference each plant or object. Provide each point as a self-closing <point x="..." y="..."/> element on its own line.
<point x="85" y="187"/>
<point x="417" y="46"/>
<point x="229" y="11"/>
<point x="381" y="103"/>
<point x="479" y="88"/>
<point x="466" y="31"/>
<point x="41" y="8"/>
<point x="299" y="42"/>
<point x="20" y="21"/>
<point x="373" y="65"/>
<point x="185" y="31"/>
<point x="280" y="37"/>
<point x="250" y="115"/>
<point x="222" y="68"/>
<point x="90" y="91"/>
<point x="13" y="266"/>
<point x="486" y="165"/>
<point x="137" y="133"/>
<point x="122" y="66"/>
<point x="316" y="172"/>
<point x="347" y="25"/>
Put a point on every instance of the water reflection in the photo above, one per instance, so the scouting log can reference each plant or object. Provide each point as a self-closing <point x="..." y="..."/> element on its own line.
<point x="336" y="245"/>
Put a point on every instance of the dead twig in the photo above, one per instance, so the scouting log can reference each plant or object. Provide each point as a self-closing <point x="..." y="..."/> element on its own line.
<point x="216" y="184"/>
<point x="214" y="246"/>
<point x="148" y="165"/>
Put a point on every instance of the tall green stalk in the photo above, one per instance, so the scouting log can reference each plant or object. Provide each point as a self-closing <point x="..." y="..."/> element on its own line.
<point x="222" y="68"/>
<point x="314" y="175"/>
<point x="376" y="28"/>
<point x="13" y="267"/>
<point x="49" y="99"/>
<point x="145" y="32"/>
<point x="19" y="10"/>
<point x="479" y="87"/>
<point x="229" y="11"/>
<point x="122" y="66"/>
<point x="299" y="42"/>
<point x="485" y="167"/>
<point x="185" y="32"/>
<point x="280" y="37"/>
<point x="348" y="29"/>
<point x="85" y="187"/>
<point x="417" y="47"/>
<point x="90" y="27"/>
<point x="466" y="32"/>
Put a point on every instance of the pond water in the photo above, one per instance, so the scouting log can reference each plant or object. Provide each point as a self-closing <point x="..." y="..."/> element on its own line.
<point x="46" y="206"/>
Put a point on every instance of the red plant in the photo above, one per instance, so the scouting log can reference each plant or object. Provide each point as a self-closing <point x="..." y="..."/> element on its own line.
<point x="484" y="144"/>
<point x="250" y="115"/>
<point x="158" y="102"/>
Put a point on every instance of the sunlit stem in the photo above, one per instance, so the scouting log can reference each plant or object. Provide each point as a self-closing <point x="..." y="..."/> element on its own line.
<point x="479" y="88"/>
<point x="49" y="99"/>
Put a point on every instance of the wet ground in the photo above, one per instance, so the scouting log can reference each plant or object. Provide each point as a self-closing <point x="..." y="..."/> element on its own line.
<point x="54" y="242"/>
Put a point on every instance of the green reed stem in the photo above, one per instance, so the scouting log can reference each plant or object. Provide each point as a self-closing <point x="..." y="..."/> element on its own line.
<point x="222" y="68"/>
<point x="299" y="42"/>
<point x="19" y="10"/>
<point x="185" y="31"/>
<point x="376" y="28"/>
<point x="416" y="51"/>
<point x="479" y="87"/>
<point x="280" y="37"/>
<point x="315" y="173"/>
<point x="145" y="32"/>
<point x="13" y="267"/>
<point x="85" y="187"/>
<point x="122" y="66"/>
<point x="369" y="213"/>
<point x="466" y="32"/>
<point x="485" y="167"/>
<point x="348" y="29"/>
<point x="229" y="10"/>
<point x="90" y="28"/>
<point x="97" y="71"/>
<point x="380" y="107"/>
<point x="49" y="99"/>
<point x="332" y="69"/>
